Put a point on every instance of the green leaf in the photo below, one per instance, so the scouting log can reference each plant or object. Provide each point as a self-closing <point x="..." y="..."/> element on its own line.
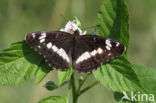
<point x="118" y="75"/>
<point x="50" y="85"/>
<point x="19" y="63"/>
<point x="42" y="72"/>
<point x="115" y="76"/>
<point x="147" y="77"/>
<point x="54" y="99"/>
<point x="64" y="75"/>
<point x="114" y="21"/>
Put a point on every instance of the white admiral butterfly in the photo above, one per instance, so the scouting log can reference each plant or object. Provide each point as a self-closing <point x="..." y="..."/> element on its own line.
<point x="69" y="46"/>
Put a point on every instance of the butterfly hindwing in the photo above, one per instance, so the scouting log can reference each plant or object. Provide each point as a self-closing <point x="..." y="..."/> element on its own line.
<point x="99" y="50"/>
<point x="54" y="46"/>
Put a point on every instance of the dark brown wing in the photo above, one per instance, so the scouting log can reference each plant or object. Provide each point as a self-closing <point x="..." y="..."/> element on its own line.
<point x="54" y="46"/>
<point x="93" y="50"/>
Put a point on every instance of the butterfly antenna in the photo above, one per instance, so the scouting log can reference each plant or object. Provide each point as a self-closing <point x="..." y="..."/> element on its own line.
<point x="63" y="17"/>
<point x="91" y="27"/>
<point x="96" y="27"/>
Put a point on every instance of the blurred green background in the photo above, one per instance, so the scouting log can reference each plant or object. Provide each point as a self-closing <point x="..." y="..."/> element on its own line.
<point x="19" y="17"/>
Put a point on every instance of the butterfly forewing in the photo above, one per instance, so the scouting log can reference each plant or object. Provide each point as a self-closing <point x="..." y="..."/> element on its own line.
<point x="54" y="46"/>
<point x="95" y="50"/>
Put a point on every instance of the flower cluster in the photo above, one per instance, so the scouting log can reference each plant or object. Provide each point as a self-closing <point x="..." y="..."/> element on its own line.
<point x="72" y="26"/>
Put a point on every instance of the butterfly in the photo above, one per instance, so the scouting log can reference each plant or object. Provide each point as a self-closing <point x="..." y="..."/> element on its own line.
<point x="69" y="47"/>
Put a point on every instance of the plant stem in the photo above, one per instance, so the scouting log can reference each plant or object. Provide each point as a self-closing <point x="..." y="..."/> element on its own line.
<point x="74" y="92"/>
<point x="89" y="87"/>
<point x="81" y="84"/>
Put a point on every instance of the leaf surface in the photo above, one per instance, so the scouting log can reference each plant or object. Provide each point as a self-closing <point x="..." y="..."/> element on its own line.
<point x="117" y="74"/>
<point x="114" y="21"/>
<point x="19" y="63"/>
<point x="64" y="75"/>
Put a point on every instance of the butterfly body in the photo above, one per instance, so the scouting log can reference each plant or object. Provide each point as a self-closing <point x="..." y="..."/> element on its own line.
<point x="86" y="52"/>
